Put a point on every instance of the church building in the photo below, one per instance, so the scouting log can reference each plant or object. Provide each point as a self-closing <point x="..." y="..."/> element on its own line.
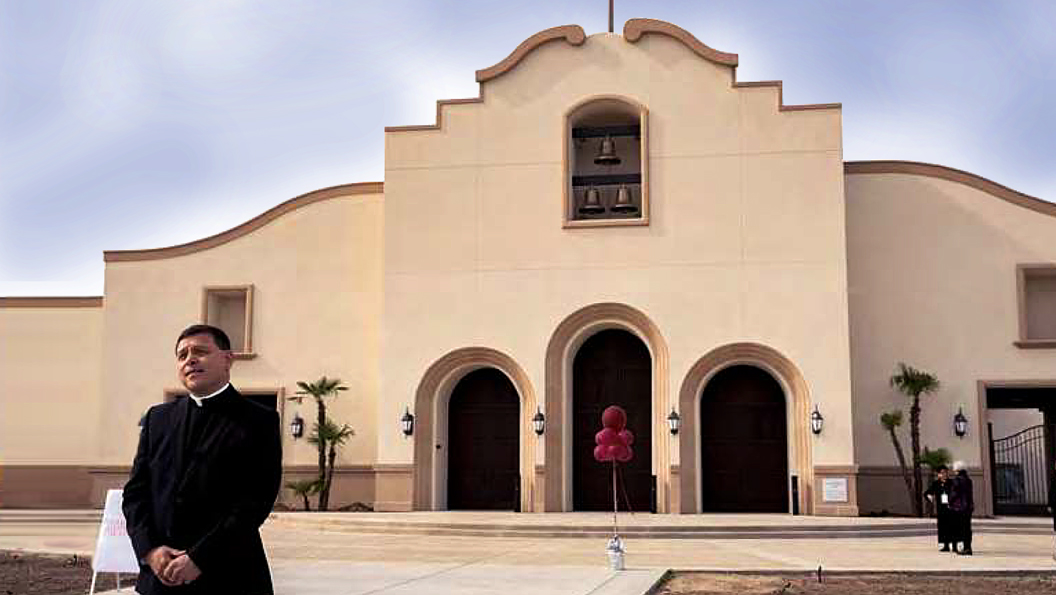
<point x="615" y="219"/>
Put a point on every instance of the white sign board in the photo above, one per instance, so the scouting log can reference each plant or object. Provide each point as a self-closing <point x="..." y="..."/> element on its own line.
<point x="113" y="549"/>
<point x="834" y="489"/>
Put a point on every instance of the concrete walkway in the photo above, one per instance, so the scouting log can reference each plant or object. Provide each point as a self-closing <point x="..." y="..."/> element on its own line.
<point x="310" y="559"/>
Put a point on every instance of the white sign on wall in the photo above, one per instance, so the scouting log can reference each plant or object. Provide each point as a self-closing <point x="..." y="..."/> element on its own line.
<point x="834" y="489"/>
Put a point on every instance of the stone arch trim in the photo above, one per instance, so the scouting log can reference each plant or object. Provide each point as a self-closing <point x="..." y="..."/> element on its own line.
<point x="435" y="386"/>
<point x="565" y="341"/>
<point x="792" y="381"/>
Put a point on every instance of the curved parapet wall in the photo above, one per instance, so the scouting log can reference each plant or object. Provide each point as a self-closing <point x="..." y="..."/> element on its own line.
<point x="942" y="172"/>
<point x="247" y="227"/>
<point x="573" y="34"/>
<point x="634" y="29"/>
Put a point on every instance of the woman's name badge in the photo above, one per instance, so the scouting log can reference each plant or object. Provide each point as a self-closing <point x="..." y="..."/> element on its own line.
<point x="945" y="499"/>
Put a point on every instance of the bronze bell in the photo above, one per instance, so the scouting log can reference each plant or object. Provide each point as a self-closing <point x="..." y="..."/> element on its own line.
<point x="591" y="202"/>
<point x="623" y="202"/>
<point x="607" y="153"/>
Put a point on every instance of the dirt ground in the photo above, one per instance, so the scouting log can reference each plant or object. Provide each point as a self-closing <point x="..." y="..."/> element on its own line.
<point x="694" y="583"/>
<point x="36" y="574"/>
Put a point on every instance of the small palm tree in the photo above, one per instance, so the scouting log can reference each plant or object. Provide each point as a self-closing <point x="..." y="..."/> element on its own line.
<point x="913" y="383"/>
<point x="935" y="458"/>
<point x="890" y="421"/>
<point x="329" y="434"/>
<point x="319" y="390"/>
<point x="304" y="488"/>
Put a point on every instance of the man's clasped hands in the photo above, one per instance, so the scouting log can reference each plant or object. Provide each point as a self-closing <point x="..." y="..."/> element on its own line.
<point x="172" y="567"/>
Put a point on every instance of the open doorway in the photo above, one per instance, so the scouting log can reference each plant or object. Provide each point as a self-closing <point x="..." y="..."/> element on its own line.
<point x="1021" y="423"/>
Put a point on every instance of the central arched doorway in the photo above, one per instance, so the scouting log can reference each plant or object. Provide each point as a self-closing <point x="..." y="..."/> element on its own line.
<point x="612" y="367"/>
<point x="743" y="442"/>
<point x="483" y="443"/>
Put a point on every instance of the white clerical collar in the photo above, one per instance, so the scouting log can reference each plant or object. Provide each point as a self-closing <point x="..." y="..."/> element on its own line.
<point x="198" y="400"/>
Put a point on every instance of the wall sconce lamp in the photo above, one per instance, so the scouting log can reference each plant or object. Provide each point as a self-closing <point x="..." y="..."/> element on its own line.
<point x="297" y="426"/>
<point x="539" y="422"/>
<point x="817" y="422"/>
<point x="960" y="423"/>
<point x="673" y="421"/>
<point x="407" y="422"/>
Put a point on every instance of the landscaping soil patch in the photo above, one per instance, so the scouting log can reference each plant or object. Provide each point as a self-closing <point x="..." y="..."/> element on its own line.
<point x="701" y="583"/>
<point x="43" y="574"/>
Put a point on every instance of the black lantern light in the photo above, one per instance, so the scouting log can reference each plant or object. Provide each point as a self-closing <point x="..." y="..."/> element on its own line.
<point x="960" y="423"/>
<point x="297" y="426"/>
<point x="673" y="421"/>
<point x="539" y="422"/>
<point x="816" y="421"/>
<point x="407" y="422"/>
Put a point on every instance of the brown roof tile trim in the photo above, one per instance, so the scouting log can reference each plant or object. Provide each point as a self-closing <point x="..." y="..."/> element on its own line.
<point x="573" y="34"/>
<point x="439" y="106"/>
<point x="931" y="170"/>
<point x="781" y="107"/>
<point x="51" y="302"/>
<point x="634" y="29"/>
<point x="249" y="226"/>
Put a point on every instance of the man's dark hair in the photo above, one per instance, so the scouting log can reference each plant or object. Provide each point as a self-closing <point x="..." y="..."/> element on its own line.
<point x="219" y="336"/>
<point x="941" y="468"/>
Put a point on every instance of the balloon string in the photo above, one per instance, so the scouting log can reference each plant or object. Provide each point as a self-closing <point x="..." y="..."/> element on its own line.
<point x="615" y="532"/>
<point x="623" y="488"/>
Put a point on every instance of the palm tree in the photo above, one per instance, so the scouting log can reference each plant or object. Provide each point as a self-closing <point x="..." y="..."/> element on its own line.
<point x="913" y="383"/>
<point x="304" y="488"/>
<point x="890" y="421"/>
<point x="319" y="390"/>
<point x="329" y="434"/>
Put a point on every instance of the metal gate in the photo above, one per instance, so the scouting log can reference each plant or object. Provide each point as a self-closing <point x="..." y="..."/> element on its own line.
<point x="1020" y="473"/>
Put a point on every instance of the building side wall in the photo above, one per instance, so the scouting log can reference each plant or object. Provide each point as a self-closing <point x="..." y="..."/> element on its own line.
<point x="50" y="360"/>
<point x="316" y="276"/>
<point x="932" y="282"/>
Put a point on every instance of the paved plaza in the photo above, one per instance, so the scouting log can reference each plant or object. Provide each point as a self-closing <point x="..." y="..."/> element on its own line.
<point x="428" y="552"/>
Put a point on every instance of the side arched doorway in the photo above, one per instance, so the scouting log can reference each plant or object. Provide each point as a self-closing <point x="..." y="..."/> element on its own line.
<point x="483" y="443"/>
<point x="612" y="367"/>
<point x="743" y="442"/>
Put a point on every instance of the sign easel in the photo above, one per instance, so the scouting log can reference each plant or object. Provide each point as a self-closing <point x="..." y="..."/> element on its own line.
<point x="113" y="548"/>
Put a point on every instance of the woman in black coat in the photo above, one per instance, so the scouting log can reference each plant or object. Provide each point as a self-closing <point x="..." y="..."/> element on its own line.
<point x="939" y="495"/>
<point x="962" y="503"/>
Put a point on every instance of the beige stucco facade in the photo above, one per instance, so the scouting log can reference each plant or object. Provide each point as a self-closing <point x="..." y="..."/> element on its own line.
<point x="932" y="280"/>
<point x="757" y="245"/>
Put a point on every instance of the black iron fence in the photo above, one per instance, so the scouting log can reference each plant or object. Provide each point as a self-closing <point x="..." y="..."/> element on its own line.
<point x="1020" y="474"/>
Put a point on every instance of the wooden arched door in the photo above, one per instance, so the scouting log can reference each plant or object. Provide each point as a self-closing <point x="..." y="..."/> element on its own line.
<point x="743" y="442"/>
<point x="613" y="367"/>
<point x="483" y="443"/>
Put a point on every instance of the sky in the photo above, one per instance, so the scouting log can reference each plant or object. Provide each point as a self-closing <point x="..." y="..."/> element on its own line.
<point x="128" y="125"/>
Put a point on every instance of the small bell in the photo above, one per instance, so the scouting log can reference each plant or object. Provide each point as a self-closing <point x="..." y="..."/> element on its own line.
<point x="591" y="202"/>
<point x="607" y="153"/>
<point x="623" y="202"/>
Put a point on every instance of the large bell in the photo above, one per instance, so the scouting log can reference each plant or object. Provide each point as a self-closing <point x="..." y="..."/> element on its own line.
<point x="607" y="152"/>
<point x="591" y="202"/>
<point x="623" y="202"/>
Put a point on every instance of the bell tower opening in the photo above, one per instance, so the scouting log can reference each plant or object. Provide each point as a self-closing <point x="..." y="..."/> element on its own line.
<point x="606" y="163"/>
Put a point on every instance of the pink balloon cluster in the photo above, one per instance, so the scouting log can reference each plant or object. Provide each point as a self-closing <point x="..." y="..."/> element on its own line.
<point x="614" y="441"/>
